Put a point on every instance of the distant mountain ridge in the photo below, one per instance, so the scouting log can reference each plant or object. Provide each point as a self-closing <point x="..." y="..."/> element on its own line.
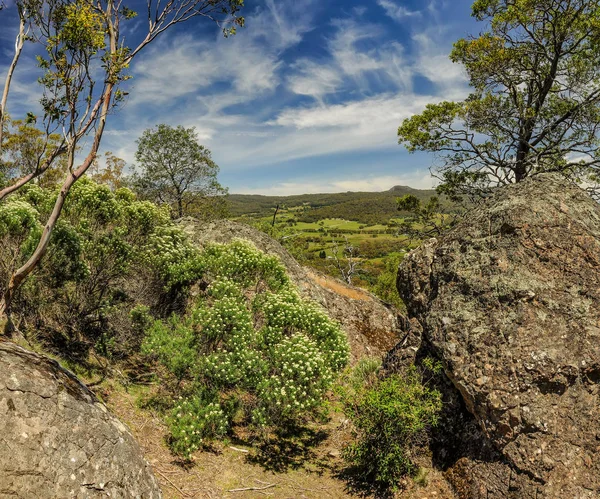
<point x="364" y="207"/>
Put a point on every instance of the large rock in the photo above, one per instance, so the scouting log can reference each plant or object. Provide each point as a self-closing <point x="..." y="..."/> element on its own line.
<point x="510" y="302"/>
<point x="372" y="326"/>
<point x="58" y="440"/>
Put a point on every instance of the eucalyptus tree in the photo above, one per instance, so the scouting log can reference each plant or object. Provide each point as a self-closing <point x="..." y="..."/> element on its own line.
<point x="174" y="169"/>
<point x="535" y="100"/>
<point x="84" y="61"/>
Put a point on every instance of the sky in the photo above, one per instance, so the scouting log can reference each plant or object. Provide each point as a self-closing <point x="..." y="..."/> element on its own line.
<point x="306" y="98"/>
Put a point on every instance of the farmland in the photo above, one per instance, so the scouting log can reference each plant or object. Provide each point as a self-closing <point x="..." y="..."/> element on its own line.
<point x="353" y="236"/>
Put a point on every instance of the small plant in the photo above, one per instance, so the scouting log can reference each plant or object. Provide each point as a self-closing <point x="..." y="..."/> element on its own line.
<point x="390" y="417"/>
<point x="192" y="422"/>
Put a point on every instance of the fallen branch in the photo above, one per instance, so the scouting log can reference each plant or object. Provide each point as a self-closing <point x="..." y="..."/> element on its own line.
<point x="253" y="488"/>
<point x="239" y="450"/>
<point x="171" y="483"/>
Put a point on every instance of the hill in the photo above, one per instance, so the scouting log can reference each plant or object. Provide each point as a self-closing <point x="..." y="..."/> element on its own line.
<point x="364" y="207"/>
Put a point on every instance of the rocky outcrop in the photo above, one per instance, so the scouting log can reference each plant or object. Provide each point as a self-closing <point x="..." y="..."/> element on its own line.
<point x="510" y="302"/>
<point x="58" y="440"/>
<point x="372" y="327"/>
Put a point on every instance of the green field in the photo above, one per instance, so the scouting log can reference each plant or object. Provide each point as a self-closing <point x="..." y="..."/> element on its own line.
<point x="330" y="231"/>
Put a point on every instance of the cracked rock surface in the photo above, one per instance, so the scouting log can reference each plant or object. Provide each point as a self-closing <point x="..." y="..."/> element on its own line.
<point x="510" y="302"/>
<point x="58" y="440"/>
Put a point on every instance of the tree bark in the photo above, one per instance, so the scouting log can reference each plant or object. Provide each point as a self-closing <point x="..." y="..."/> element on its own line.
<point x="19" y="42"/>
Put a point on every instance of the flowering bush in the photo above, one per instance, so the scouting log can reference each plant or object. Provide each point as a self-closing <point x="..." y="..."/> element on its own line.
<point x="107" y="252"/>
<point x="192" y="421"/>
<point x="251" y="332"/>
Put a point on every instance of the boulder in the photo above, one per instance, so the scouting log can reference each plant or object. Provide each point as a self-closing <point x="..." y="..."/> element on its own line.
<point x="58" y="440"/>
<point x="372" y="326"/>
<point x="509" y="300"/>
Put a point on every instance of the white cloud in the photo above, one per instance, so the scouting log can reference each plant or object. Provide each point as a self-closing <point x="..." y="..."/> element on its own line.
<point x="365" y="114"/>
<point x="370" y="77"/>
<point x="314" y="79"/>
<point x="433" y="63"/>
<point x="183" y="66"/>
<point x="397" y="12"/>
<point x="347" y="63"/>
<point x="248" y="63"/>
<point x="417" y="180"/>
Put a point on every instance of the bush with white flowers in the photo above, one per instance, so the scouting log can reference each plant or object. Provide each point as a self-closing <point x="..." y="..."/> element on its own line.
<point x="250" y="334"/>
<point x="192" y="422"/>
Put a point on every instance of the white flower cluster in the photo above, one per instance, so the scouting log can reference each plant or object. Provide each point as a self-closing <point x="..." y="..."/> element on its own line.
<point x="174" y="256"/>
<point x="192" y="422"/>
<point x="17" y="217"/>
<point x="253" y="335"/>
<point x="299" y="381"/>
<point x="243" y="263"/>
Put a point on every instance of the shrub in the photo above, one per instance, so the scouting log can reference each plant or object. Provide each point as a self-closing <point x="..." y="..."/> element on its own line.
<point x="390" y="417"/>
<point x="252" y="340"/>
<point x="192" y="422"/>
<point x="108" y="253"/>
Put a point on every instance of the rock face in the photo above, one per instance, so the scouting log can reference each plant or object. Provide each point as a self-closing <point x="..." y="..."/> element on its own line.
<point x="510" y="302"/>
<point x="372" y="327"/>
<point x="58" y="440"/>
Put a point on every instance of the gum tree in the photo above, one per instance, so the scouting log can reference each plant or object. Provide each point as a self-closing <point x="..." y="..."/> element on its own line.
<point x="84" y="60"/>
<point x="174" y="169"/>
<point x="535" y="100"/>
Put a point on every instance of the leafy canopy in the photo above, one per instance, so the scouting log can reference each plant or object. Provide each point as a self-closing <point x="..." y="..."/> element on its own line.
<point x="174" y="169"/>
<point x="535" y="101"/>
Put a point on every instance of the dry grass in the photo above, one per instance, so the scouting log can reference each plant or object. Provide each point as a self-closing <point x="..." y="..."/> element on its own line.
<point x="338" y="287"/>
<point x="235" y="470"/>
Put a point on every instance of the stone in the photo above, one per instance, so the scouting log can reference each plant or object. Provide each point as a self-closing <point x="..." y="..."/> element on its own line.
<point x="509" y="301"/>
<point x="58" y="440"/>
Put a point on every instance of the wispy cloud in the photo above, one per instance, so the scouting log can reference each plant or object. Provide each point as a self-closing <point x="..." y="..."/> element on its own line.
<point x="397" y="12"/>
<point x="356" y="57"/>
<point x="298" y="86"/>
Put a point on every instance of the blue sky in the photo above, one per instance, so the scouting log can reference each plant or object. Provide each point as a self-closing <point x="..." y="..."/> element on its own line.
<point x="306" y="98"/>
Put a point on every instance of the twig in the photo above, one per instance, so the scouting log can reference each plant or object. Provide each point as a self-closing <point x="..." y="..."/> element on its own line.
<point x="239" y="450"/>
<point x="253" y="488"/>
<point x="171" y="483"/>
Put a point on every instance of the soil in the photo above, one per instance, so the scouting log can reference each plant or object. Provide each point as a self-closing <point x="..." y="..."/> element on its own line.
<point x="310" y="468"/>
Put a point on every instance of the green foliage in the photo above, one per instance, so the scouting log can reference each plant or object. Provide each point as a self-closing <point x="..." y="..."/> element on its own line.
<point x="365" y="207"/>
<point x="427" y="219"/>
<point x="194" y="421"/>
<point x="250" y="331"/>
<point x="175" y="259"/>
<point x="106" y="248"/>
<point x="535" y="101"/>
<point x="174" y="169"/>
<point x="390" y="416"/>
<point x="385" y="285"/>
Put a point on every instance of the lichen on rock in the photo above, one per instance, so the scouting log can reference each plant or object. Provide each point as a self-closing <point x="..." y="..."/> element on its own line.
<point x="58" y="440"/>
<point x="509" y="300"/>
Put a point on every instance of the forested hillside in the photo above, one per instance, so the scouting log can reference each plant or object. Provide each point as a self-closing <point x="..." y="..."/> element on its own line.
<point x="364" y="207"/>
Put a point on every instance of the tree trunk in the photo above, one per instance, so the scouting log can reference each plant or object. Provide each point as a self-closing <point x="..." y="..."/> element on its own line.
<point x="23" y="272"/>
<point x="20" y="41"/>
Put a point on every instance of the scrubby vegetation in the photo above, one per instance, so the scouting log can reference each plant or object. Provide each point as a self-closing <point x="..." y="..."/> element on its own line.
<point x="250" y="350"/>
<point x="108" y="253"/>
<point x="391" y="417"/>
<point x="224" y="333"/>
